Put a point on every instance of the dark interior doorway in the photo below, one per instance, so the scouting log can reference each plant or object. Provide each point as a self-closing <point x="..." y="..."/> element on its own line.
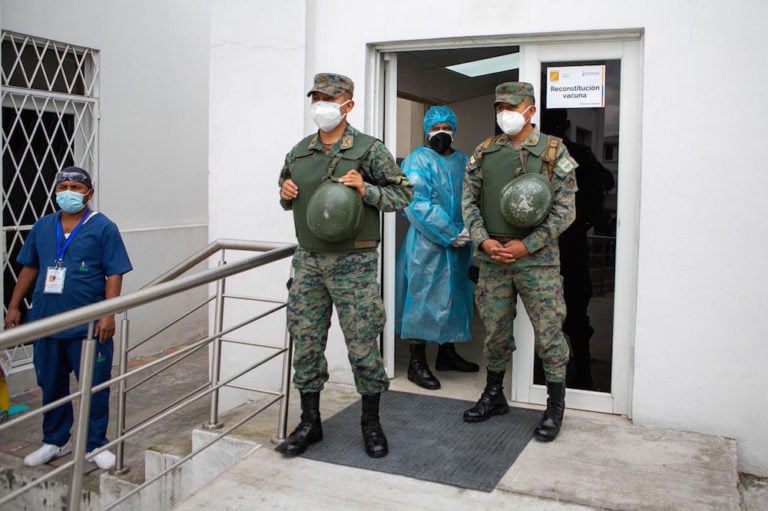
<point x="424" y="80"/>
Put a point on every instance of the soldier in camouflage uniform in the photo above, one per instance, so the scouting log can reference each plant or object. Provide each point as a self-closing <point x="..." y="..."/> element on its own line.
<point x="343" y="272"/>
<point x="519" y="261"/>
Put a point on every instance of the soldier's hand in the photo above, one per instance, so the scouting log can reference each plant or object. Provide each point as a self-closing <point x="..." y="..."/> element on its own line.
<point x="289" y="190"/>
<point x="12" y="318"/>
<point x="517" y="248"/>
<point x="354" y="179"/>
<point x="497" y="251"/>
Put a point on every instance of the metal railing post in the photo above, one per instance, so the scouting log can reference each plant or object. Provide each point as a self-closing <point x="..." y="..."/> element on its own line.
<point x="218" y="322"/>
<point x="286" y="383"/>
<point x="286" y="390"/>
<point x="122" y="398"/>
<point x="81" y="436"/>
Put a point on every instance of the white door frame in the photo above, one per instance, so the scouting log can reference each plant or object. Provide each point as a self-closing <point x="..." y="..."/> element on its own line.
<point x="619" y="399"/>
<point x="380" y="121"/>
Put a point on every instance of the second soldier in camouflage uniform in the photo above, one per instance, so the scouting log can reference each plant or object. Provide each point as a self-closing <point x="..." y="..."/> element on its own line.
<point x="343" y="272"/>
<point x="519" y="261"/>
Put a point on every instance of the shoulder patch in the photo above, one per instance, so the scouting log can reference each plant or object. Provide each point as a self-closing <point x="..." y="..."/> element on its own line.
<point x="566" y="163"/>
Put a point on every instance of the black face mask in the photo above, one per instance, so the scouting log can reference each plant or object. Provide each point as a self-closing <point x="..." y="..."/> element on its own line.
<point x="440" y="142"/>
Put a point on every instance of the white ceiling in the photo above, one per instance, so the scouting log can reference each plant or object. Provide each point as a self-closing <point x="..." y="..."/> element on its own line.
<point x="422" y="75"/>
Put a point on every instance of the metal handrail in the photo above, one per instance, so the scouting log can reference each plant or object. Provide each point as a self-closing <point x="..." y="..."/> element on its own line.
<point x="163" y="286"/>
<point x="213" y="248"/>
<point x="59" y="322"/>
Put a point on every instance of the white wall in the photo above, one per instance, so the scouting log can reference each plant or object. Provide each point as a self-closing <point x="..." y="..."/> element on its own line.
<point x="410" y="133"/>
<point x="257" y="109"/>
<point x="700" y="322"/>
<point x="476" y="120"/>
<point x="153" y="148"/>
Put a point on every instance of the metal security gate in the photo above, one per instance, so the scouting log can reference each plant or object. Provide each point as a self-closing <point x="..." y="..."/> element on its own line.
<point x="50" y="111"/>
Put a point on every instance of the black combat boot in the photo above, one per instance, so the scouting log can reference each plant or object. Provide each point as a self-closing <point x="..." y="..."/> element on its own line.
<point x="309" y="430"/>
<point x="373" y="436"/>
<point x="492" y="401"/>
<point x="449" y="360"/>
<point x="549" y="426"/>
<point x="418" y="369"/>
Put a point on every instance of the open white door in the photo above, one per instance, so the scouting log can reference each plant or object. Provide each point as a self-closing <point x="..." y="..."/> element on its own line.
<point x="613" y="133"/>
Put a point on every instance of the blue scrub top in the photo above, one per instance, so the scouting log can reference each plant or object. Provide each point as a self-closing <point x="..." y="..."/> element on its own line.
<point x="95" y="253"/>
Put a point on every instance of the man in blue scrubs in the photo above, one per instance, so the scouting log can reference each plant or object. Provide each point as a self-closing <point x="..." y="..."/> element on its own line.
<point x="71" y="258"/>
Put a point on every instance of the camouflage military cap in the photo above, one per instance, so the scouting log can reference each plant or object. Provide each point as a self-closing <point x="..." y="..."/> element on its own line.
<point x="513" y="92"/>
<point x="332" y="84"/>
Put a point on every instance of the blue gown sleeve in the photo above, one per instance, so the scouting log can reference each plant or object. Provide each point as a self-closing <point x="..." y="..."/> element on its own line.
<point x="425" y="213"/>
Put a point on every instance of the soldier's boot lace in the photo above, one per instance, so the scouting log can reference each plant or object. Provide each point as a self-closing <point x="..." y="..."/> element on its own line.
<point x="550" y="423"/>
<point x="309" y="430"/>
<point x="492" y="401"/>
<point x="373" y="436"/>
<point x="449" y="360"/>
<point x="418" y="369"/>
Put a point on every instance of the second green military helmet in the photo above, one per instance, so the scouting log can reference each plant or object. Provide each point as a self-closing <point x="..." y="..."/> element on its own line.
<point x="526" y="200"/>
<point x="335" y="212"/>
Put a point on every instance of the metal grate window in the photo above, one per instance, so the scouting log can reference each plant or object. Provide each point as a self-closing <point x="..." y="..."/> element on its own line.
<point x="50" y="106"/>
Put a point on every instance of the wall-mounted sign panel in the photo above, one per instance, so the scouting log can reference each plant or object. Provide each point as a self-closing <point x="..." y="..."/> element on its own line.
<point x="576" y="87"/>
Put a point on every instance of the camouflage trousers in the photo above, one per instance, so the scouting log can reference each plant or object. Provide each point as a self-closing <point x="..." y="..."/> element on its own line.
<point x="347" y="280"/>
<point x="541" y="290"/>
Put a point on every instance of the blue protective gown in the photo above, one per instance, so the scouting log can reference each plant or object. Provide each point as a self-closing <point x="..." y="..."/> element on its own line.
<point x="434" y="295"/>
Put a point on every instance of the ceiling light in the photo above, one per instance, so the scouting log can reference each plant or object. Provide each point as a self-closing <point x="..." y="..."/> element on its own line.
<point x="488" y="66"/>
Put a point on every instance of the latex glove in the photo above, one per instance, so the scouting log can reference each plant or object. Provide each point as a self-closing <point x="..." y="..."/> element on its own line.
<point x="462" y="239"/>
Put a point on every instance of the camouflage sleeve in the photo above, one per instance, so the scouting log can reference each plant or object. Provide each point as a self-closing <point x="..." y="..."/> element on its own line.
<point x="563" y="210"/>
<point x="386" y="187"/>
<point x="285" y="173"/>
<point x="470" y="197"/>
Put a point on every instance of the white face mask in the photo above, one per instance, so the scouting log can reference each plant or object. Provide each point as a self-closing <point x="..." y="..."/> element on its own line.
<point x="511" y="123"/>
<point x="326" y="114"/>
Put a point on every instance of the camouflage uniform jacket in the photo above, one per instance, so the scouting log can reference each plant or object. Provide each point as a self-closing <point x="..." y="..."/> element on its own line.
<point x="386" y="187"/>
<point x="542" y="241"/>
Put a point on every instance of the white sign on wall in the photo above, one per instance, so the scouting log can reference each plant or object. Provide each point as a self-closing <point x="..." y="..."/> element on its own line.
<point x="576" y="87"/>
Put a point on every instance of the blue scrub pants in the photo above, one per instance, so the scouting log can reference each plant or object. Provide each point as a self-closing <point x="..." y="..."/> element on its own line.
<point x="54" y="360"/>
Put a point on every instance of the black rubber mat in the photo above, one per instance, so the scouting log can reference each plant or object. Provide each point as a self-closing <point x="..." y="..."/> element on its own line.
<point x="429" y="440"/>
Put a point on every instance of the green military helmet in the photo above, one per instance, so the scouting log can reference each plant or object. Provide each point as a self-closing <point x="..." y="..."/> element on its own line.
<point x="335" y="212"/>
<point x="526" y="200"/>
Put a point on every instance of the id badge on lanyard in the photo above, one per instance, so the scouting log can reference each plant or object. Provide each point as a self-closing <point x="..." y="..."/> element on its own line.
<point x="54" y="280"/>
<point x="56" y="275"/>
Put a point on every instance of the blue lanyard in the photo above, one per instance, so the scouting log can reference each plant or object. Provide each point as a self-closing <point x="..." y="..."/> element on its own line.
<point x="61" y="243"/>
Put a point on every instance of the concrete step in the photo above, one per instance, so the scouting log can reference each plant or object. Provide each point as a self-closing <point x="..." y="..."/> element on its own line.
<point x="180" y="483"/>
<point x="102" y="488"/>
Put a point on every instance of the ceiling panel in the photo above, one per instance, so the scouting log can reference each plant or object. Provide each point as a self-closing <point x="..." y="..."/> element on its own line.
<point x="422" y="75"/>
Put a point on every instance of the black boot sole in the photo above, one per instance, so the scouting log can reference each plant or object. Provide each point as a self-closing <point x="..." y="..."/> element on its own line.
<point x="544" y="438"/>
<point x="376" y="454"/>
<point x="424" y="385"/>
<point x="286" y="450"/>
<point x="483" y="418"/>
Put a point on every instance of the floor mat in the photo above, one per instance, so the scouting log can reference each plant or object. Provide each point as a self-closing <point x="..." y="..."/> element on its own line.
<point x="429" y="440"/>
